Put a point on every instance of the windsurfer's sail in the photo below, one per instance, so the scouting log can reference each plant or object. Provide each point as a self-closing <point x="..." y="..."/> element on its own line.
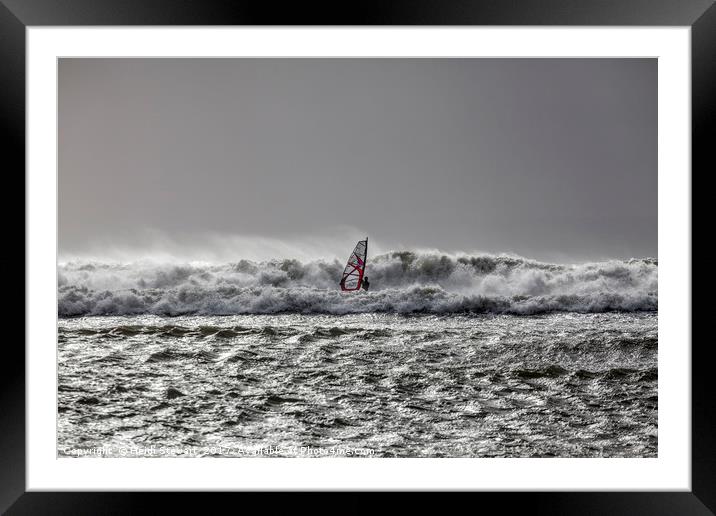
<point x="355" y="268"/>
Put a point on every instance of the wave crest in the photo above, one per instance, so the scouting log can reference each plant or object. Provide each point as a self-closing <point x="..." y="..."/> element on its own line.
<point x="401" y="282"/>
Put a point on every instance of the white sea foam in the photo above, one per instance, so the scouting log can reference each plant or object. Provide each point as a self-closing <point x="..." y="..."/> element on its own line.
<point x="402" y="282"/>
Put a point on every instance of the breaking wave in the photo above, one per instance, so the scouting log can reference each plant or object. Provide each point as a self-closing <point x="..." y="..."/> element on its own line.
<point x="401" y="282"/>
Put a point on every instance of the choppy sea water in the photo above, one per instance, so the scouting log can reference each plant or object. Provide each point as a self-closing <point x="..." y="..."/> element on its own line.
<point x="365" y="384"/>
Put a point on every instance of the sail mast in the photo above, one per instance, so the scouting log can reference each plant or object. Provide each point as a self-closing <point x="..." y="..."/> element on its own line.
<point x="365" y="258"/>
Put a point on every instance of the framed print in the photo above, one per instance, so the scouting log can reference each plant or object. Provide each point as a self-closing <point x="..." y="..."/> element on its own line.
<point x="423" y="249"/>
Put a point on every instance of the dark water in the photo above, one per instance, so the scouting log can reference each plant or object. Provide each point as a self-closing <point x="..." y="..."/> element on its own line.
<point x="379" y="385"/>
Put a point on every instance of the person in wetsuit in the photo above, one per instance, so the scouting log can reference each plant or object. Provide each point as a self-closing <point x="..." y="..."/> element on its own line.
<point x="366" y="283"/>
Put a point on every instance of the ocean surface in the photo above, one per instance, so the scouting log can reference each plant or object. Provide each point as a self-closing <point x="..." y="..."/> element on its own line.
<point x="445" y="356"/>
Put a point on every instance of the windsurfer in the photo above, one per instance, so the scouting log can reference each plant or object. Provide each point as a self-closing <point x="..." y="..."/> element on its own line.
<point x="355" y="268"/>
<point x="366" y="283"/>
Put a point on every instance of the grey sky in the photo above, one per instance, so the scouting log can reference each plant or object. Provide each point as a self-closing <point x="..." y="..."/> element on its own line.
<point x="547" y="158"/>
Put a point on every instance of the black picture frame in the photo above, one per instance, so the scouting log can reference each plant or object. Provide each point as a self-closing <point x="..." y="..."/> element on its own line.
<point x="17" y="15"/>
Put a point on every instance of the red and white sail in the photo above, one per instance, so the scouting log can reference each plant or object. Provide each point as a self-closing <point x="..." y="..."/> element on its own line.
<point x="355" y="268"/>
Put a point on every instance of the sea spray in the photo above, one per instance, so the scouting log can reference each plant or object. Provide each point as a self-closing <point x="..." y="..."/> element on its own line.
<point x="402" y="282"/>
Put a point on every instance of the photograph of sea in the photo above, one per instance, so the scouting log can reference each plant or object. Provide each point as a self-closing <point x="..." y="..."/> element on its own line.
<point x="357" y="258"/>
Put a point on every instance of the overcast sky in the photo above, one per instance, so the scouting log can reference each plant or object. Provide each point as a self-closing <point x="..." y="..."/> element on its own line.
<point x="547" y="158"/>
